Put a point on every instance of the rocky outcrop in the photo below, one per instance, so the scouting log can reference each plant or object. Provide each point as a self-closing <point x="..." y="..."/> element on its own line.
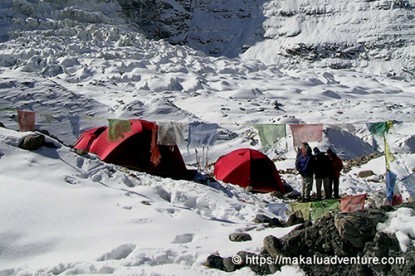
<point x="352" y="235"/>
<point x="159" y="19"/>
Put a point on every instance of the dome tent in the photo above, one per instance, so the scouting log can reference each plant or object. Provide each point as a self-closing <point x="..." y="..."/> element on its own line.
<point x="134" y="150"/>
<point x="249" y="168"/>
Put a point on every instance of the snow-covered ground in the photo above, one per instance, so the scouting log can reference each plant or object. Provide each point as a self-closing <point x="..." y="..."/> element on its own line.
<point x="65" y="213"/>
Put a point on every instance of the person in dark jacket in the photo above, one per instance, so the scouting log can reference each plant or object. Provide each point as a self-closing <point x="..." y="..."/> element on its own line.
<point x="305" y="166"/>
<point x="336" y="168"/>
<point x="322" y="169"/>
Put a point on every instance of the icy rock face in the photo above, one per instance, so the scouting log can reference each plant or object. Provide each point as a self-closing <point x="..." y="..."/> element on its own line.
<point x="340" y="34"/>
<point x="372" y="36"/>
<point x="159" y="19"/>
<point x="362" y="34"/>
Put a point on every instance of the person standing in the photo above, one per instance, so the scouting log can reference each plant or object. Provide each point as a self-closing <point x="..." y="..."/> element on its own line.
<point x="322" y="171"/>
<point x="305" y="166"/>
<point x="336" y="168"/>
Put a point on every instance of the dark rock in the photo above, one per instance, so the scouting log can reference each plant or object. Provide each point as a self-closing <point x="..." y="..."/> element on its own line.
<point x="303" y="225"/>
<point x="243" y="256"/>
<point x="405" y="262"/>
<point x="32" y="142"/>
<point x="260" y="218"/>
<point x="359" y="227"/>
<point x="382" y="246"/>
<point x="364" y="174"/>
<point x="272" y="222"/>
<point x="273" y="246"/>
<point x="240" y="237"/>
<point x="2" y="125"/>
<point x="228" y="264"/>
<point x="294" y="219"/>
<point x="214" y="261"/>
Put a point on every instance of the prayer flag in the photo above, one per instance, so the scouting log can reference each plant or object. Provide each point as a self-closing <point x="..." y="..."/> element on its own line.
<point x="390" y="185"/>
<point x="117" y="128"/>
<point x="352" y="203"/>
<point x="26" y="120"/>
<point x="170" y="133"/>
<point x="270" y="134"/>
<point x="388" y="155"/>
<point x="306" y="133"/>
<point x="380" y="129"/>
<point x="304" y="208"/>
<point x="321" y="208"/>
<point x="48" y="117"/>
<point x="201" y="134"/>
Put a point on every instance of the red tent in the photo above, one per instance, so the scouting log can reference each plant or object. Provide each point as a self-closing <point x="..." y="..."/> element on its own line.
<point x="249" y="167"/>
<point x="135" y="150"/>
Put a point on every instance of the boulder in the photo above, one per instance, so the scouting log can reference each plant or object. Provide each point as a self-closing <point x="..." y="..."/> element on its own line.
<point x="228" y="264"/>
<point x="240" y="237"/>
<point x="272" y="246"/>
<point x="357" y="228"/>
<point x="32" y="142"/>
<point x="2" y="125"/>
<point x="295" y="218"/>
<point x="272" y="222"/>
<point x="214" y="261"/>
<point x="366" y="173"/>
<point x="382" y="246"/>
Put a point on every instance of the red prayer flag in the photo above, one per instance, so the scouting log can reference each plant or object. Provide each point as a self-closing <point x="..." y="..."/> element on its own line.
<point x="26" y="120"/>
<point x="352" y="203"/>
<point x="306" y="133"/>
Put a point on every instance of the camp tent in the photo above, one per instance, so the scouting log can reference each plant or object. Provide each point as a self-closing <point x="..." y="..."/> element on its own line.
<point x="135" y="150"/>
<point x="248" y="167"/>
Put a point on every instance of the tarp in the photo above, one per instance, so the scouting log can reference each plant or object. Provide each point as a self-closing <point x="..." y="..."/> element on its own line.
<point x="409" y="183"/>
<point x="306" y="133"/>
<point x="248" y="167"/>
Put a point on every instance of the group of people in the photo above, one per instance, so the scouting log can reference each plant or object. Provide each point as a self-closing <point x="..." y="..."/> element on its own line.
<point x="322" y="167"/>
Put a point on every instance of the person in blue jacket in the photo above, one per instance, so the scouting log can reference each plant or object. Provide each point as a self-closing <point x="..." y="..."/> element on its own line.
<point x="305" y="166"/>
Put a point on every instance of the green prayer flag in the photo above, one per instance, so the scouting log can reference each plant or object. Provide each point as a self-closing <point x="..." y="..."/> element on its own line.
<point x="117" y="128"/>
<point x="321" y="208"/>
<point x="380" y="129"/>
<point x="304" y="208"/>
<point x="270" y="134"/>
<point x="388" y="155"/>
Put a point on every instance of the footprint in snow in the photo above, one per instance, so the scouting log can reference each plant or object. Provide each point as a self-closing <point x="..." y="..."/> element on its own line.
<point x="172" y="212"/>
<point x="183" y="238"/>
<point x="121" y="252"/>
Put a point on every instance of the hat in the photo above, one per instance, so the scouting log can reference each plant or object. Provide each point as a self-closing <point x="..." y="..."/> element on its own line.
<point x="316" y="150"/>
